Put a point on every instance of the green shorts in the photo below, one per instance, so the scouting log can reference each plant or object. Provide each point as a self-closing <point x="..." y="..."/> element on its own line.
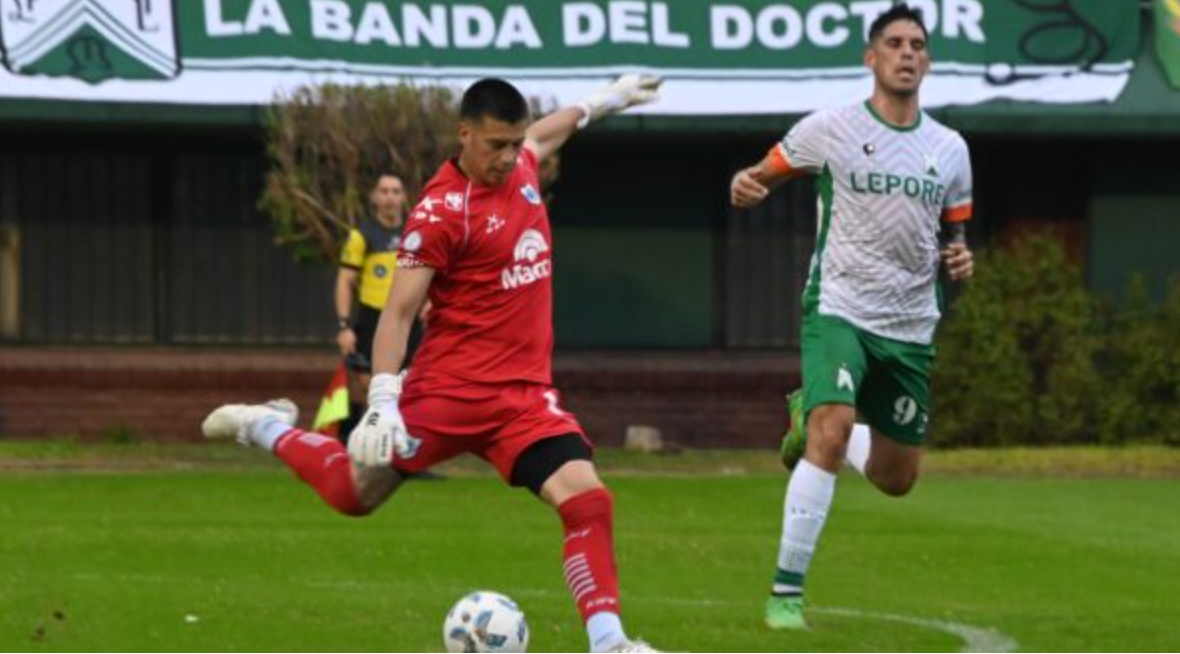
<point x="887" y="381"/>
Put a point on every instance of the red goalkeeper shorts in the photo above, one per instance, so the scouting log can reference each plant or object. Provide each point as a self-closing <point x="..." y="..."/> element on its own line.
<point x="496" y="422"/>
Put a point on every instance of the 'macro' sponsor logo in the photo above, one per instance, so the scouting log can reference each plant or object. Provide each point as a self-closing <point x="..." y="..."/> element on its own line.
<point x="528" y="269"/>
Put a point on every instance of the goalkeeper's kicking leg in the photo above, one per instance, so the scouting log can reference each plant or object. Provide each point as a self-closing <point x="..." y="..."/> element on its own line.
<point x="557" y="469"/>
<point x="320" y="461"/>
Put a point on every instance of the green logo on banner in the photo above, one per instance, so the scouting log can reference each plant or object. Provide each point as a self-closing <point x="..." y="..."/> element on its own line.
<point x="91" y="40"/>
<point x="1167" y="36"/>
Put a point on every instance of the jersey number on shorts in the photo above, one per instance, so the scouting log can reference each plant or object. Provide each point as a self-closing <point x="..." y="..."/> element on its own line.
<point x="551" y="396"/>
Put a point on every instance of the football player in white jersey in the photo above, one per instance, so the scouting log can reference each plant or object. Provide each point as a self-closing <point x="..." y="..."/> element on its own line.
<point x="890" y="180"/>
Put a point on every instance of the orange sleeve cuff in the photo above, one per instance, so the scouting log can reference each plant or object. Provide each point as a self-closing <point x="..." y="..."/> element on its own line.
<point x="958" y="214"/>
<point x="778" y="162"/>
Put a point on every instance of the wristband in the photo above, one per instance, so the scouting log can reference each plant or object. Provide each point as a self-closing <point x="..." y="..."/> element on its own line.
<point x="384" y="388"/>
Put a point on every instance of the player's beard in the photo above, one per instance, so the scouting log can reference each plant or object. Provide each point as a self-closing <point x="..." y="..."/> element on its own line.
<point x="901" y="90"/>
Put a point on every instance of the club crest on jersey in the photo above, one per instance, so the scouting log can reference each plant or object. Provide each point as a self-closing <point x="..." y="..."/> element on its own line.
<point x="454" y="201"/>
<point x="844" y="379"/>
<point x="531" y="263"/>
<point x="931" y="166"/>
<point x="530" y="194"/>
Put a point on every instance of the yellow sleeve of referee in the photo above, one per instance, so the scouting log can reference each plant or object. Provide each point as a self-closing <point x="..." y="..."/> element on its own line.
<point x="352" y="255"/>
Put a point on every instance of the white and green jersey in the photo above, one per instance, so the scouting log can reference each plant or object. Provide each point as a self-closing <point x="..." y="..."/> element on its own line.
<point x="883" y="193"/>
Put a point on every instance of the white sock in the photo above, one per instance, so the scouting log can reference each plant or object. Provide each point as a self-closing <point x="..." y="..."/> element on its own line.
<point x="606" y="631"/>
<point x="266" y="432"/>
<point x="809" y="496"/>
<point x="859" y="446"/>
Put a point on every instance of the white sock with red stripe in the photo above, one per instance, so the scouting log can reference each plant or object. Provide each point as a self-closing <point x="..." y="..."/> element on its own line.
<point x="590" y="570"/>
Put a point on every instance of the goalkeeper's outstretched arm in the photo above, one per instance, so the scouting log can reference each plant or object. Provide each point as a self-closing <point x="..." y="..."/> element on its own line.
<point x="546" y="136"/>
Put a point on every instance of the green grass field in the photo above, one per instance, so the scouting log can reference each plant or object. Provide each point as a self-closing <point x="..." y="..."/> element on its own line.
<point x="219" y="552"/>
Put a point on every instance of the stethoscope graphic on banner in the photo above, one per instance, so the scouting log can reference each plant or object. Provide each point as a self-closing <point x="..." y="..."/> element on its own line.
<point x="1069" y="25"/>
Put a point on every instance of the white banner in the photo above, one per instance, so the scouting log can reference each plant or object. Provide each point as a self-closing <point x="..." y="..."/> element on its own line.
<point x="680" y="96"/>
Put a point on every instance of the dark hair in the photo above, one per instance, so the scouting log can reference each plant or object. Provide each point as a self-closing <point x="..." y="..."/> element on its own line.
<point x="898" y="12"/>
<point x="493" y="98"/>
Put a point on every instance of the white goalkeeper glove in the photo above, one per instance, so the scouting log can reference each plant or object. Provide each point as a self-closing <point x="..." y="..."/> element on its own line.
<point x="627" y="91"/>
<point x="381" y="435"/>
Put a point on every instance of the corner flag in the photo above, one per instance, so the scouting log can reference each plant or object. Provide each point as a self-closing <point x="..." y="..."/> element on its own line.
<point x="334" y="405"/>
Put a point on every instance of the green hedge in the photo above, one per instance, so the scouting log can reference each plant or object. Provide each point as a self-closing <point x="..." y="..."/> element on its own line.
<point x="1027" y="355"/>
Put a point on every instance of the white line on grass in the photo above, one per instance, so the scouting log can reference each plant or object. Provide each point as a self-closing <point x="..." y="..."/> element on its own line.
<point x="975" y="639"/>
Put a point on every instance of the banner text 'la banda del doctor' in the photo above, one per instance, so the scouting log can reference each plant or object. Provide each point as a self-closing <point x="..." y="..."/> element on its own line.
<point x="720" y="56"/>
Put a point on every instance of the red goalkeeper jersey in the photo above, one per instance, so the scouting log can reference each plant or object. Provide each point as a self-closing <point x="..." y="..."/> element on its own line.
<point x="492" y="295"/>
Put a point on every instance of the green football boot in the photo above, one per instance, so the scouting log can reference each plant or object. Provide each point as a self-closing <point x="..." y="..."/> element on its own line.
<point x="795" y="441"/>
<point x="785" y="613"/>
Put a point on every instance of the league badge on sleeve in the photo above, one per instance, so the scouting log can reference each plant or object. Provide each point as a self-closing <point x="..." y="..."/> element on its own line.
<point x="530" y="193"/>
<point x="408" y="256"/>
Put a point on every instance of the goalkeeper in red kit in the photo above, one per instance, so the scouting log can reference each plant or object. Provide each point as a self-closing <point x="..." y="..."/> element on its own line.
<point x="479" y="248"/>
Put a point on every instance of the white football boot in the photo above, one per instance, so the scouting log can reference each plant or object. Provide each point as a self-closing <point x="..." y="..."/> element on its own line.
<point x="235" y="420"/>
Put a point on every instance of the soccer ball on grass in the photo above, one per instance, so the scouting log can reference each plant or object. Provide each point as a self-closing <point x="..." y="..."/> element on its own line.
<point x="486" y="622"/>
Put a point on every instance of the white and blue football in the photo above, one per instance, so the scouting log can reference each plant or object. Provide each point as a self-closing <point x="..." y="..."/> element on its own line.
<point x="486" y="622"/>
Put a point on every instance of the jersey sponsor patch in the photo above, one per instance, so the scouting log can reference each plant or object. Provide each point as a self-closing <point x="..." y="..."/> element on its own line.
<point x="531" y="263"/>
